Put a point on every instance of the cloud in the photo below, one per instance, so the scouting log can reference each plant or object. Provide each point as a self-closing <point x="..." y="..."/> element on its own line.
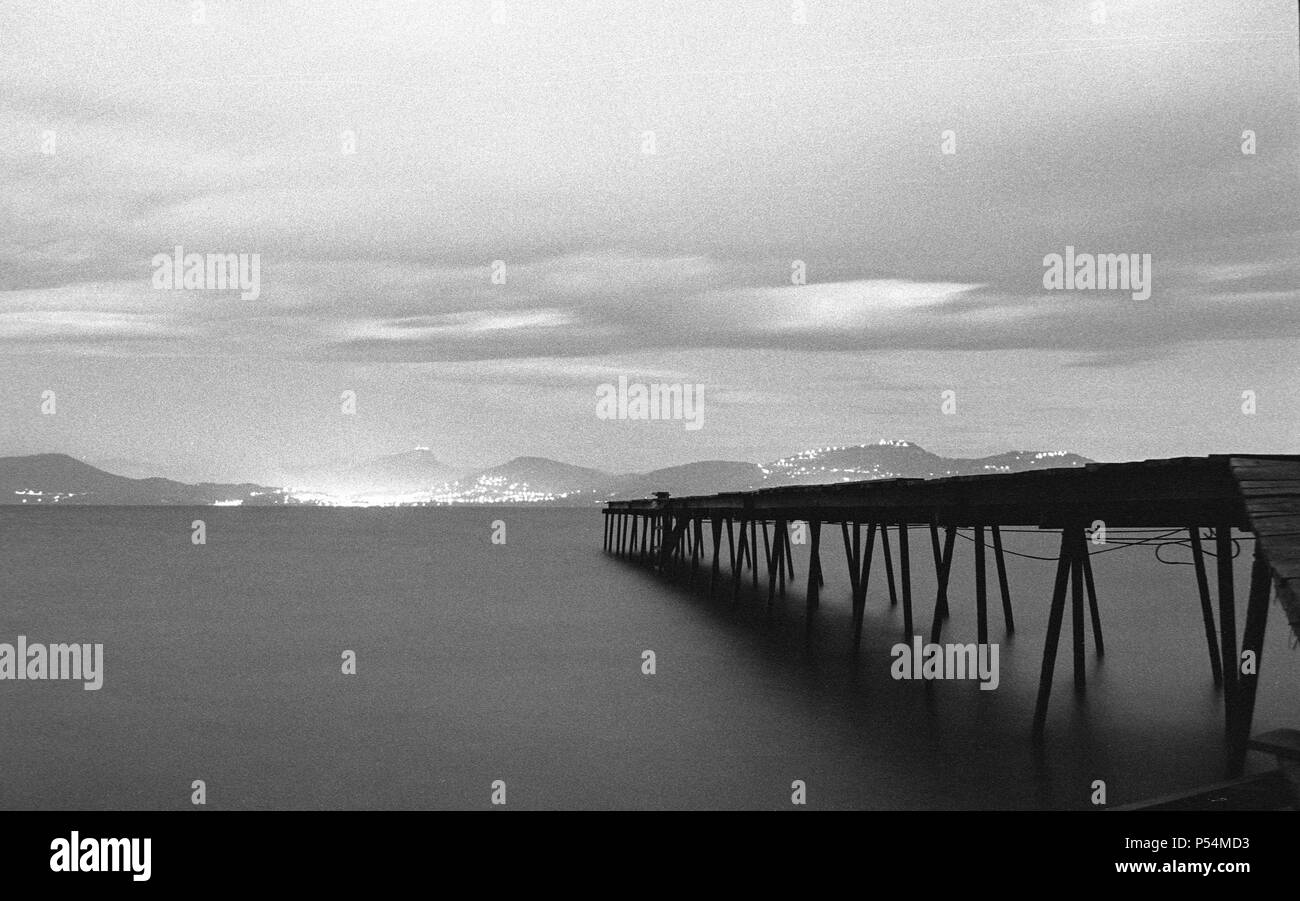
<point x="81" y="327"/>
<point x="617" y="303"/>
<point x="523" y="144"/>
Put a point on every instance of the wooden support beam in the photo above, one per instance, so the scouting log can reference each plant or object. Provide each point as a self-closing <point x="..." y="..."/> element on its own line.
<point x="773" y="558"/>
<point x="949" y="547"/>
<point x="1007" y="617"/>
<point x="1076" y="597"/>
<point x="664" y="530"/>
<point x="778" y="551"/>
<point x="789" y="555"/>
<point x="941" y="598"/>
<point x="688" y="545"/>
<point x="905" y="570"/>
<point x="1227" y="621"/>
<point x="753" y="550"/>
<point x="889" y="564"/>
<point x="1092" y="602"/>
<point x="851" y="553"/>
<point x="744" y="543"/>
<point x="780" y="535"/>
<point x="695" y="535"/>
<point x="731" y="546"/>
<point x="745" y="550"/>
<point x="738" y="562"/>
<point x="636" y="522"/>
<point x="981" y="589"/>
<point x="715" y="524"/>
<point x="860" y="602"/>
<point x="1252" y="640"/>
<point x="1054" y="618"/>
<point x="1207" y="609"/>
<point x="814" y="564"/>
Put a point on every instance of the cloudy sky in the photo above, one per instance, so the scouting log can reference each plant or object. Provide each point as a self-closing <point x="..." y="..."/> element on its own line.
<point x="647" y="173"/>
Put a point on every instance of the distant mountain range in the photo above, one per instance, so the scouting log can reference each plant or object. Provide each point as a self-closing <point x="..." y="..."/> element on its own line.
<point x="60" y="479"/>
<point x="417" y="477"/>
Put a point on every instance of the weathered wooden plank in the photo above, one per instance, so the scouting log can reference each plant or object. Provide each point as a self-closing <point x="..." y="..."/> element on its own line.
<point x="1272" y="508"/>
<point x="1251" y="495"/>
<point x="1251" y="466"/>
<point x="1282" y="486"/>
<point x="1278" y="536"/>
<point x="1279" y="521"/>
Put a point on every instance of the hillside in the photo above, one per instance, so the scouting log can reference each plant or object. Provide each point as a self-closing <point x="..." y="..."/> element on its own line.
<point x="60" y="479"/>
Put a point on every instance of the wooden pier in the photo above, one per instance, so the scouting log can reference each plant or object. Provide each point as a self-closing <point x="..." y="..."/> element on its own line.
<point x="1204" y="497"/>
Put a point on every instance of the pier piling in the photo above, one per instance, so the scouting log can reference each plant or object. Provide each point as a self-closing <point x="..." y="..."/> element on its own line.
<point x="1207" y="609"/>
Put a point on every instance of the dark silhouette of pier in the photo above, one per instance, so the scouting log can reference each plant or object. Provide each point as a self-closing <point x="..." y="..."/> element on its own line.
<point x="1207" y="497"/>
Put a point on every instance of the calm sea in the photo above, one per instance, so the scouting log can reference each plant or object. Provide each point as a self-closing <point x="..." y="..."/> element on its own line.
<point x="522" y="662"/>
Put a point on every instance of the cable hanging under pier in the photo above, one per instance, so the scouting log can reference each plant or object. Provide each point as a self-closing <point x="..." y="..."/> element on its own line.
<point x="1121" y="543"/>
